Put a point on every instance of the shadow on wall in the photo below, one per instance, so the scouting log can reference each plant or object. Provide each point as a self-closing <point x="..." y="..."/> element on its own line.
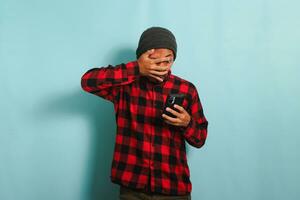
<point x="102" y="130"/>
<point x="100" y="115"/>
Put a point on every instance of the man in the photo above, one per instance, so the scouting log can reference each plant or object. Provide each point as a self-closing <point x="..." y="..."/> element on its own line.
<point x="149" y="160"/>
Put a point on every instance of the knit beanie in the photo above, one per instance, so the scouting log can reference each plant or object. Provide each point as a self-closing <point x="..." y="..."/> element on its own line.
<point x="154" y="38"/>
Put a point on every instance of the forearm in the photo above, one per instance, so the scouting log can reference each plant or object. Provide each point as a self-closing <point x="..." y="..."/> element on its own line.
<point x="106" y="81"/>
<point x="105" y="77"/>
<point x="196" y="132"/>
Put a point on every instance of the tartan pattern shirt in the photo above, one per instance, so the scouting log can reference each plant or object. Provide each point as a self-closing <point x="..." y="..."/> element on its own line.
<point x="148" y="152"/>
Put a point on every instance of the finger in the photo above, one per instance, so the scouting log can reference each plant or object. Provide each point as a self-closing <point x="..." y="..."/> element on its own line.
<point x="156" y="77"/>
<point x="159" y="73"/>
<point x="177" y="114"/>
<point x="164" y="59"/>
<point x="171" y="119"/>
<point x="160" y="68"/>
<point x="180" y="108"/>
<point x="164" y="62"/>
<point x="168" y="122"/>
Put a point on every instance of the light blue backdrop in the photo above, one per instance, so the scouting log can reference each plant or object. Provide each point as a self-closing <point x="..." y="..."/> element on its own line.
<point x="56" y="141"/>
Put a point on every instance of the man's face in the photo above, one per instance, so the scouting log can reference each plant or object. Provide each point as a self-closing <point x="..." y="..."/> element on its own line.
<point x="161" y="53"/>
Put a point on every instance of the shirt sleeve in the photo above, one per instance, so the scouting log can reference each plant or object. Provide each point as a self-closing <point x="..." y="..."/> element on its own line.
<point x="106" y="81"/>
<point x="196" y="131"/>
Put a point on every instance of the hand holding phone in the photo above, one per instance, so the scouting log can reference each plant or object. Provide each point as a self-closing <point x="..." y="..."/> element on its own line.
<point x="171" y="100"/>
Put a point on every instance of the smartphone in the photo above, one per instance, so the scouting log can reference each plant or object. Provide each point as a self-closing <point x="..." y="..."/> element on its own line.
<point x="171" y="100"/>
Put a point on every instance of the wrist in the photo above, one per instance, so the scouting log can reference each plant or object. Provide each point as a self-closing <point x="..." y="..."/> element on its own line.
<point x="187" y="124"/>
<point x="140" y="66"/>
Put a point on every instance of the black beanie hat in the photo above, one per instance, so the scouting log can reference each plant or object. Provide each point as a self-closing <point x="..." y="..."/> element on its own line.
<point x="154" y="38"/>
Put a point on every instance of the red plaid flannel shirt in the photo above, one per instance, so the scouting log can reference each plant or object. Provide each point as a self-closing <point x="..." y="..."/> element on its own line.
<point x="148" y="152"/>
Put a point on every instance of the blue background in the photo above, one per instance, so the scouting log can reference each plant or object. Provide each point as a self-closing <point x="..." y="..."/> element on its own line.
<point x="56" y="141"/>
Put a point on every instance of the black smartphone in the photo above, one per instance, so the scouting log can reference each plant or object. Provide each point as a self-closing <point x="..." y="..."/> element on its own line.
<point x="171" y="100"/>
